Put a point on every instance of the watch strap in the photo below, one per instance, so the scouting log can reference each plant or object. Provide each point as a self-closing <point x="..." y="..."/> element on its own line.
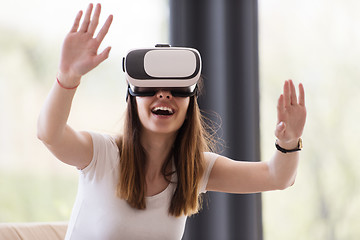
<point x="283" y="150"/>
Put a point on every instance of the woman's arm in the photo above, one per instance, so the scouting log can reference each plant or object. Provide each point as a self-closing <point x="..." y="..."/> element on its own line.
<point x="248" y="177"/>
<point x="79" y="56"/>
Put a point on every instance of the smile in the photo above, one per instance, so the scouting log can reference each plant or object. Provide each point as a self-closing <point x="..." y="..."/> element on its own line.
<point x="162" y="111"/>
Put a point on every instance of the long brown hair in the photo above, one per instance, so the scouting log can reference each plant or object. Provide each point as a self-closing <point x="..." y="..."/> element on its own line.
<point x="190" y="144"/>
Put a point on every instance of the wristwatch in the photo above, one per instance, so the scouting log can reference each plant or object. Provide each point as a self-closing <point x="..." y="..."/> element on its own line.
<point x="283" y="150"/>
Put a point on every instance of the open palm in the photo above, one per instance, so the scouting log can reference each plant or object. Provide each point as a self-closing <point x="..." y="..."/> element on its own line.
<point x="291" y="113"/>
<point x="80" y="49"/>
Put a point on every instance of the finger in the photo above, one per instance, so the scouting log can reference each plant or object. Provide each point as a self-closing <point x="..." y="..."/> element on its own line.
<point x="85" y="24"/>
<point x="280" y="102"/>
<point x="287" y="100"/>
<point x="102" y="56"/>
<point x="76" y="22"/>
<point x="293" y="93"/>
<point x="95" y="20"/>
<point x="280" y="107"/>
<point x="301" y="95"/>
<point x="103" y="31"/>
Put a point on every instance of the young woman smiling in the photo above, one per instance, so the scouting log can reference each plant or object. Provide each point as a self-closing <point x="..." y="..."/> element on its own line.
<point x="144" y="183"/>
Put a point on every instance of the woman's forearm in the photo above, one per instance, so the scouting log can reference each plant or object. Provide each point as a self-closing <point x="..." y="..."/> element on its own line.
<point x="283" y="168"/>
<point x="53" y="117"/>
<point x="291" y="113"/>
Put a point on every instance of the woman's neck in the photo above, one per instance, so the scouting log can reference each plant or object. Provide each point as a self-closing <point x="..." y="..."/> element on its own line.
<point x="157" y="148"/>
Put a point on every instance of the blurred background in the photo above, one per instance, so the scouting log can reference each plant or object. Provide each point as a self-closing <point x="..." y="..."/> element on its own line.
<point x="313" y="42"/>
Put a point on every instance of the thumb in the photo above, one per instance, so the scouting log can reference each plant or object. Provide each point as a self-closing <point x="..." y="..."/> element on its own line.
<point x="280" y="129"/>
<point x="102" y="56"/>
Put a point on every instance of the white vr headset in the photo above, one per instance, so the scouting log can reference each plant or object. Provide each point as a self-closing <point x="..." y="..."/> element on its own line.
<point x="176" y="69"/>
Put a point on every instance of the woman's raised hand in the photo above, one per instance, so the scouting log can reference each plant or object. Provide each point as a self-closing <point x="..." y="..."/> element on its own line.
<point x="80" y="48"/>
<point x="291" y="113"/>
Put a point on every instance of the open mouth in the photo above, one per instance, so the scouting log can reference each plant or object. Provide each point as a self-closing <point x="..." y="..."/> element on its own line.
<point x="164" y="111"/>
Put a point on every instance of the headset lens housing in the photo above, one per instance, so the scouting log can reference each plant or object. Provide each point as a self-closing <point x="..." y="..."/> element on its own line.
<point x="170" y="68"/>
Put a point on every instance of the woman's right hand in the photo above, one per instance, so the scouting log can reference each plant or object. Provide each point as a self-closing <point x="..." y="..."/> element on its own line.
<point x="80" y="48"/>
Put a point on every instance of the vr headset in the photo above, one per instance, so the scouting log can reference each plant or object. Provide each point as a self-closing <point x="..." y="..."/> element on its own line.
<point x="175" y="69"/>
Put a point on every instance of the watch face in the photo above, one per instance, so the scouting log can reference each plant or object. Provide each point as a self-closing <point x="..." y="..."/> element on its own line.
<point x="300" y="144"/>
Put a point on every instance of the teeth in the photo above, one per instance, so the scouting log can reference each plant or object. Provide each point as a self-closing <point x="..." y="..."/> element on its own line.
<point x="163" y="109"/>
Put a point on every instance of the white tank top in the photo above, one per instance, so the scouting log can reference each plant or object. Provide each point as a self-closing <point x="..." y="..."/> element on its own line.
<point x="98" y="214"/>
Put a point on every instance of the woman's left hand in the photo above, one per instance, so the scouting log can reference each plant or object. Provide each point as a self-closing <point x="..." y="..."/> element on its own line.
<point x="291" y="112"/>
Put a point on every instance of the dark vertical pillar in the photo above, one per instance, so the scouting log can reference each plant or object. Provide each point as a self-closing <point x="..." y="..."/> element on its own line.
<point x="226" y="34"/>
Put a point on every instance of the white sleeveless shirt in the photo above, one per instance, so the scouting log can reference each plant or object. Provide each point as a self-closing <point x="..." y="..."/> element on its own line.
<point x="98" y="214"/>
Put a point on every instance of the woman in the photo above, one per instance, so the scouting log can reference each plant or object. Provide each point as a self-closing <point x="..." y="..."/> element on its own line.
<point x="145" y="183"/>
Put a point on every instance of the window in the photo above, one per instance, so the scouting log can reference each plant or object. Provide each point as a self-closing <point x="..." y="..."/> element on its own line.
<point x="34" y="186"/>
<point x="317" y="43"/>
